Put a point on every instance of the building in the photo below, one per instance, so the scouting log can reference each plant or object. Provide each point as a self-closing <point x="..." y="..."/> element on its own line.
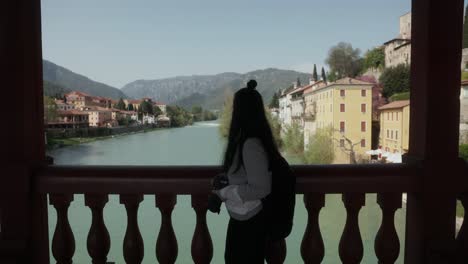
<point x="398" y="49"/>
<point x="63" y="105"/>
<point x="161" y="106"/>
<point x="69" y="119"/>
<point x="394" y="127"/>
<point x="99" y="117"/>
<point x="297" y="105"/>
<point x="346" y="107"/>
<point x="80" y="99"/>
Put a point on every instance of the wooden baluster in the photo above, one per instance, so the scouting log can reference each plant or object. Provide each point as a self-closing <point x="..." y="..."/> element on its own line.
<point x="133" y="248"/>
<point x="351" y="248"/>
<point x="166" y="245"/>
<point x="98" y="242"/>
<point x="387" y="244"/>
<point x="462" y="237"/>
<point x="276" y="252"/>
<point x="202" y="246"/>
<point x="63" y="242"/>
<point x="312" y="247"/>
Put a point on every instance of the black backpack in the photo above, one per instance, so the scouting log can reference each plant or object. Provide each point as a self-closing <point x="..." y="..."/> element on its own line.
<point x="279" y="204"/>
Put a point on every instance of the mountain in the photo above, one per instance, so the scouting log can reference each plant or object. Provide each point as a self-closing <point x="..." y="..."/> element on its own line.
<point x="209" y="90"/>
<point x="52" y="89"/>
<point x="60" y="76"/>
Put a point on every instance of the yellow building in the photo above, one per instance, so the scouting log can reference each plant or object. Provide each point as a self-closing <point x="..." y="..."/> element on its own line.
<point x="394" y="126"/>
<point x="346" y="107"/>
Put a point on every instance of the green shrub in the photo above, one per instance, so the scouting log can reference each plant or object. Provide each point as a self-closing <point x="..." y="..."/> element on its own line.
<point x="293" y="140"/>
<point x="463" y="151"/>
<point x="320" y="148"/>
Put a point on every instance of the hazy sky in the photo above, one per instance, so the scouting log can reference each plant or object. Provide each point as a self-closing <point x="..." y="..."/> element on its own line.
<point x="119" y="41"/>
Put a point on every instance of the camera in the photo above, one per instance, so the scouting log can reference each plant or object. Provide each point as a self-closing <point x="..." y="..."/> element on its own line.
<point x="214" y="202"/>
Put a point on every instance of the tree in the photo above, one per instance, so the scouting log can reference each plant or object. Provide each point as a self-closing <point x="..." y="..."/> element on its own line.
<point x="120" y="104"/>
<point x="324" y="76"/>
<point x="226" y="114"/>
<point x="197" y="112"/>
<point x="298" y="82"/>
<point x="274" y="103"/>
<point x="465" y="29"/>
<point x="348" y="147"/>
<point x="332" y="76"/>
<point x="50" y="109"/>
<point x="374" y="58"/>
<point x="156" y="110"/>
<point x="294" y="139"/>
<point x="344" y="60"/>
<point x="320" y="148"/>
<point x="314" y="74"/>
<point x="395" y="80"/>
<point x="146" y="107"/>
<point x="179" y="116"/>
<point x="130" y="107"/>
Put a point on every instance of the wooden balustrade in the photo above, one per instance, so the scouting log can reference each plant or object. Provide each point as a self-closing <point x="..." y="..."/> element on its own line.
<point x="462" y="237"/>
<point x="133" y="248"/>
<point x="98" y="242"/>
<point x="351" y="247"/>
<point x="312" y="247"/>
<point x="275" y="252"/>
<point x="63" y="242"/>
<point x="202" y="246"/>
<point x="387" y="244"/>
<point x="166" y="245"/>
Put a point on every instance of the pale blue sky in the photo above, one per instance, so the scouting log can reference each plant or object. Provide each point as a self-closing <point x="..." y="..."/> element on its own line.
<point x="119" y="41"/>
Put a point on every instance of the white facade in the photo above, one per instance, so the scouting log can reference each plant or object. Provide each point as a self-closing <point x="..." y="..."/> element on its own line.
<point x="285" y="109"/>
<point x="149" y="119"/>
<point x="398" y="50"/>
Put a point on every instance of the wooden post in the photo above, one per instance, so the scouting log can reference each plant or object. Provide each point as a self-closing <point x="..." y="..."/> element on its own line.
<point x="435" y="88"/>
<point x="24" y="215"/>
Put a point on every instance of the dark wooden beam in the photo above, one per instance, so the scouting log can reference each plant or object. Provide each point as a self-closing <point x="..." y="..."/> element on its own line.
<point x="435" y="88"/>
<point x="22" y="132"/>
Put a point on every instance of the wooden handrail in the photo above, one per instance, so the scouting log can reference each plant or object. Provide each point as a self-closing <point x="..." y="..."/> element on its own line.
<point x="369" y="178"/>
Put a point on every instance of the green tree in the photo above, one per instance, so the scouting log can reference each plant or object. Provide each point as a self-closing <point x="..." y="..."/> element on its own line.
<point x="465" y="29"/>
<point x="130" y="107"/>
<point x="146" y="107"/>
<point x="344" y="60"/>
<point x="197" y="112"/>
<point x="400" y="96"/>
<point x="324" y="76"/>
<point x="179" y="116"/>
<point x="314" y="74"/>
<point x="463" y="151"/>
<point x="120" y="104"/>
<point x="298" y="82"/>
<point x="374" y="58"/>
<point x="226" y="114"/>
<point x="332" y="76"/>
<point x="293" y="140"/>
<point x="274" y="102"/>
<point x="320" y="148"/>
<point x="50" y="109"/>
<point x="395" y="80"/>
<point x="156" y="110"/>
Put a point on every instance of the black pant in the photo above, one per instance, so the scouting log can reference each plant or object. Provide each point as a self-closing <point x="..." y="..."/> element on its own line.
<point x="245" y="241"/>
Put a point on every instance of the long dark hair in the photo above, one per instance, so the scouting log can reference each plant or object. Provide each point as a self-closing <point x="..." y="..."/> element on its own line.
<point x="248" y="121"/>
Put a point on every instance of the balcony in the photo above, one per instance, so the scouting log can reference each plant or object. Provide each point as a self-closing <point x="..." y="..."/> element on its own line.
<point x="432" y="175"/>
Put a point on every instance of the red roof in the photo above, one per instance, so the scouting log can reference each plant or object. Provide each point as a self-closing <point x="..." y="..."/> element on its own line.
<point x="78" y="93"/>
<point x="395" y="104"/>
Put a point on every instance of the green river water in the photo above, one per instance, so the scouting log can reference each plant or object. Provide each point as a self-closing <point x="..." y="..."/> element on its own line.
<point x="199" y="144"/>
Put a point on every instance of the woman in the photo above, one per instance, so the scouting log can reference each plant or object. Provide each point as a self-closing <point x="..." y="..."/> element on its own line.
<point x="250" y="149"/>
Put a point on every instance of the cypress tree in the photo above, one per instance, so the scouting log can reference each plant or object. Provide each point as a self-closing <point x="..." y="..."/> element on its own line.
<point x="324" y="76"/>
<point x="314" y="74"/>
<point x="465" y="29"/>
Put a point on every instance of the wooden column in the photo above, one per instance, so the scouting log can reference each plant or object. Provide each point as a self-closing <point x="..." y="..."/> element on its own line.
<point x="312" y="247"/>
<point x="133" y="248"/>
<point x="63" y="242"/>
<point x="24" y="216"/>
<point x="98" y="242"/>
<point x="202" y="246"/>
<point x="387" y="244"/>
<point x="351" y="248"/>
<point x="435" y="87"/>
<point x="166" y="244"/>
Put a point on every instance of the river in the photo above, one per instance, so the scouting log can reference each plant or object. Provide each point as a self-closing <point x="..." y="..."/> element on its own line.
<point x="199" y="144"/>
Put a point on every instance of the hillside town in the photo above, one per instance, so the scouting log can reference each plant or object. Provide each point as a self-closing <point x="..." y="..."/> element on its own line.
<point x="81" y="110"/>
<point x="363" y="124"/>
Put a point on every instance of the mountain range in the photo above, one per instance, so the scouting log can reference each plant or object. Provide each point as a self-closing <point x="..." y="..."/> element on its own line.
<point x="209" y="90"/>
<point x="58" y="79"/>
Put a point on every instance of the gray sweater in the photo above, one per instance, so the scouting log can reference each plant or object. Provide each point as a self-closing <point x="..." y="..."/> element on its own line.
<point x="250" y="183"/>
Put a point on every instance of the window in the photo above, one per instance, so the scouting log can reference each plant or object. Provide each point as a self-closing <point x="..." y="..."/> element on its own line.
<point x="363" y="126"/>
<point x="391" y="134"/>
<point x="342" y="92"/>
<point x="342" y="126"/>
<point x="363" y="93"/>
<point x="342" y="143"/>
<point x="331" y="108"/>
<point x="396" y="134"/>
<point x="388" y="133"/>
<point x="363" y="143"/>
<point x="342" y="107"/>
<point x="388" y="116"/>
<point x="396" y="116"/>
<point x="392" y="116"/>
<point x="363" y="108"/>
